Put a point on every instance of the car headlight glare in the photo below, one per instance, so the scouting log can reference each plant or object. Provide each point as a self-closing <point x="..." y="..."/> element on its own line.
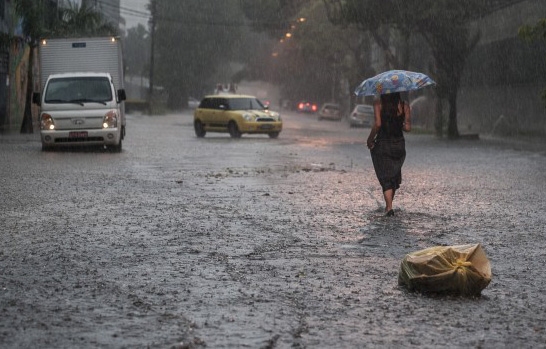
<point x="46" y="122"/>
<point x="110" y="119"/>
<point x="275" y="115"/>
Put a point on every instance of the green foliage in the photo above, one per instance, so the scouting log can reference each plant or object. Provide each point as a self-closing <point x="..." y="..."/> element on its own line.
<point x="77" y="21"/>
<point x="32" y="19"/>
<point x="40" y="19"/>
<point x="536" y="32"/>
<point x="311" y="63"/>
<point x="195" y="42"/>
<point x="443" y="24"/>
<point x="137" y="51"/>
<point x="272" y="16"/>
<point x="533" y="32"/>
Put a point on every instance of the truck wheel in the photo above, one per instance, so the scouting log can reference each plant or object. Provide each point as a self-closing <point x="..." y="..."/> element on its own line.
<point x="46" y="147"/>
<point x="234" y="130"/>
<point x="199" y="129"/>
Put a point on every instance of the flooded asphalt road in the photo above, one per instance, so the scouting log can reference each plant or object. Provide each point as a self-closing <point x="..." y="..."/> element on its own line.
<point x="180" y="242"/>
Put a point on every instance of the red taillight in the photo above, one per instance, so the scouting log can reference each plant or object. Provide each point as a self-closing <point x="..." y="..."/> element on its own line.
<point x="300" y="106"/>
<point x="314" y="107"/>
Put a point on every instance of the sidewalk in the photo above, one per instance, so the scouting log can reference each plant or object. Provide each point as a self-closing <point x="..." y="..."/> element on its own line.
<point x="19" y="137"/>
<point x="533" y="144"/>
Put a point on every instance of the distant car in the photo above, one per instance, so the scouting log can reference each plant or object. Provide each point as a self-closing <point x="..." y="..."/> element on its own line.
<point x="330" y="111"/>
<point x="235" y="114"/>
<point x="193" y="103"/>
<point x="306" y="107"/>
<point x="361" y="116"/>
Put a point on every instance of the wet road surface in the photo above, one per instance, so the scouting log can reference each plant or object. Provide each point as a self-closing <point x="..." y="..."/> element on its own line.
<point x="181" y="242"/>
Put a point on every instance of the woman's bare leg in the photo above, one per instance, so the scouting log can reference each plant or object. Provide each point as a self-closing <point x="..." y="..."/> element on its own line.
<point x="389" y="196"/>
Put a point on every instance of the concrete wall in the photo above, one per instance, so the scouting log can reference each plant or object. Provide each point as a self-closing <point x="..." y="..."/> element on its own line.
<point x="505" y="22"/>
<point x="502" y="110"/>
<point x="501" y="102"/>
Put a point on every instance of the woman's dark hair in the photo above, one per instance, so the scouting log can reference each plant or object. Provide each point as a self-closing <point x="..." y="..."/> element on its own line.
<point x="389" y="102"/>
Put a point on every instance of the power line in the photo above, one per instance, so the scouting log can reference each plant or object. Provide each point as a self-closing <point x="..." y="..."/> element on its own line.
<point x="125" y="11"/>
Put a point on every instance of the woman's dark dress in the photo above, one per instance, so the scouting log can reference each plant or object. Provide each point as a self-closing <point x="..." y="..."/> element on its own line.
<point x="389" y="152"/>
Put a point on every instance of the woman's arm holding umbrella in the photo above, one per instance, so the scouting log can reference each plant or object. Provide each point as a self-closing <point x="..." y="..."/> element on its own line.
<point x="376" y="125"/>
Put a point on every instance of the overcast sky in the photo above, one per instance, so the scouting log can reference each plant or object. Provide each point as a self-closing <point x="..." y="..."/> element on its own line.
<point x="134" y="12"/>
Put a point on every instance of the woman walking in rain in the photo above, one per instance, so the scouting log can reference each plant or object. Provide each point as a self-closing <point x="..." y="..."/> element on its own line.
<point x="392" y="116"/>
<point x="386" y="142"/>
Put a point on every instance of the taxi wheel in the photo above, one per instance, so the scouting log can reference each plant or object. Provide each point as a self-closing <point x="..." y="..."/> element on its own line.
<point x="234" y="130"/>
<point x="273" y="135"/>
<point x="199" y="130"/>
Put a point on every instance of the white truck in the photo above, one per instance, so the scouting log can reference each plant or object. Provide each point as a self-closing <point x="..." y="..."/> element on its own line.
<point x="82" y="93"/>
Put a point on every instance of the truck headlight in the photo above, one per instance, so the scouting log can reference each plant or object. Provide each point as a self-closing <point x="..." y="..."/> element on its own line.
<point x="46" y="122"/>
<point x="110" y="119"/>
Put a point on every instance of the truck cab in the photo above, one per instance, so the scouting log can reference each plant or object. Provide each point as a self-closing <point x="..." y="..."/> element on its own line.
<point x="80" y="109"/>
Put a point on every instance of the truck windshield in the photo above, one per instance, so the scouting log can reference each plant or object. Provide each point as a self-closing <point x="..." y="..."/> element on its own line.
<point x="78" y="90"/>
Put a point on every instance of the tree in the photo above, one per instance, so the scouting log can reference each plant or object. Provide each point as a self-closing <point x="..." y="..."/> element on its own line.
<point x="273" y="17"/>
<point x="443" y="24"/>
<point x="374" y="17"/>
<point x="77" y="21"/>
<point x="318" y="58"/>
<point x="451" y="43"/>
<point x="34" y="27"/>
<point x="195" y="42"/>
<point x="534" y="32"/>
<point x="329" y="56"/>
<point x="137" y="51"/>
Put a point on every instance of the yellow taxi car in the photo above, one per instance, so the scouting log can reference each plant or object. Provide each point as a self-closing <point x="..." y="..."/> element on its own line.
<point x="235" y="114"/>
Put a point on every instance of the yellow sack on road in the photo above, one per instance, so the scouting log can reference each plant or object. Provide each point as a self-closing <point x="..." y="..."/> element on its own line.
<point x="459" y="270"/>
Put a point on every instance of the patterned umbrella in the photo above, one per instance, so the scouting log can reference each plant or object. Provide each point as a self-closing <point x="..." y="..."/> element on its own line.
<point x="393" y="81"/>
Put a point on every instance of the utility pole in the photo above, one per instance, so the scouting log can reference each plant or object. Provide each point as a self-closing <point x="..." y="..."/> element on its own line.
<point x="152" y="34"/>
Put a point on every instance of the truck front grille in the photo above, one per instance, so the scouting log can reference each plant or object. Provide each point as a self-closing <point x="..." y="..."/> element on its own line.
<point x="79" y="139"/>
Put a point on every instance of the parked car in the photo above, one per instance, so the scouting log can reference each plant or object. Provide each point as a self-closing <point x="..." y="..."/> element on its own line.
<point x="307" y="107"/>
<point x="330" y="111"/>
<point x="361" y="116"/>
<point x="235" y="114"/>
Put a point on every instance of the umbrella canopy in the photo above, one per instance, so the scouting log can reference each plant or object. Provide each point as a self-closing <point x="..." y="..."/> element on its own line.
<point x="393" y="81"/>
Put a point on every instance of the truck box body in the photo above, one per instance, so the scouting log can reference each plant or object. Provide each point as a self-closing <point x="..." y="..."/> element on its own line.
<point x="73" y="114"/>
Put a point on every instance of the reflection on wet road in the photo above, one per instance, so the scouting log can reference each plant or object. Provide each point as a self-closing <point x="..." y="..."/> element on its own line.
<point x="181" y="241"/>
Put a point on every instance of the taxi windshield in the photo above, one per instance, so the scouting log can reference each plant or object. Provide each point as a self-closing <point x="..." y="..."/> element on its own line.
<point x="245" y="104"/>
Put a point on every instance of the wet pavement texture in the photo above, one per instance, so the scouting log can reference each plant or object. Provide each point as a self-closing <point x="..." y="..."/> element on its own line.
<point x="182" y="242"/>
